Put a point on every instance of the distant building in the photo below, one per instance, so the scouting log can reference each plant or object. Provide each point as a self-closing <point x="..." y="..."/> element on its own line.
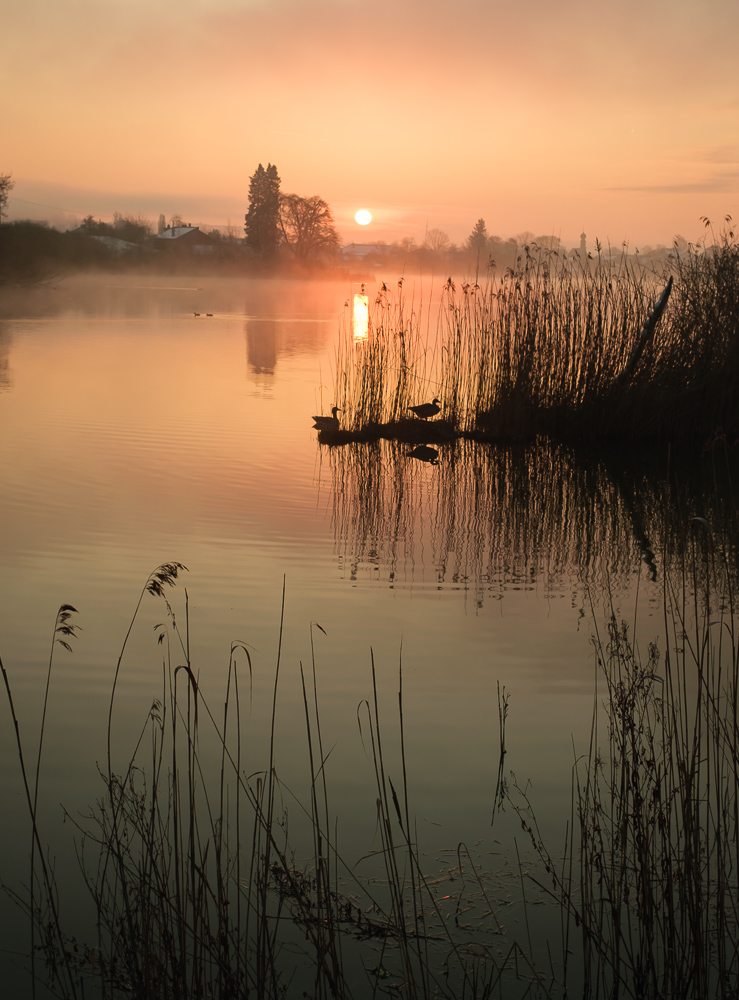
<point x="186" y="237"/>
<point x="360" y="251"/>
<point x="116" y="246"/>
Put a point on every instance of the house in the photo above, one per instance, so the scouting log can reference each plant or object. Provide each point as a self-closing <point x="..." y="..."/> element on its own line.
<point x="121" y="248"/>
<point x="188" y="238"/>
<point x="355" y="252"/>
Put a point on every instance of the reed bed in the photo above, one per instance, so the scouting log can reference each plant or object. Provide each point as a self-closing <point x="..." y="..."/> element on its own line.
<point x="561" y="347"/>
<point x="378" y="378"/>
<point x="193" y="880"/>
<point x="649" y="881"/>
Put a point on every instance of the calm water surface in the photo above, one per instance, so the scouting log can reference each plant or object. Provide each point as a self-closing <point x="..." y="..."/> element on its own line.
<point x="134" y="432"/>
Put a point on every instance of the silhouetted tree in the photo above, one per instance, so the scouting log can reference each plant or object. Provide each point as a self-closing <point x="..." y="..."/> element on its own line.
<point x="132" y="228"/>
<point x="548" y="242"/>
<point x="478" y="238"/>
<point x="496" y="250"/>
<point x="307" y="226"/>
<point x="263" y="218"/>
<point x="437" y="240"/>
<point x="93" y="227"/>
<point x="31" y="252"/>
<point x="6" y="186"/>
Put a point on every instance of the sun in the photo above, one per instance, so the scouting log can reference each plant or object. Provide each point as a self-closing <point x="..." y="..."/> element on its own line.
<point x="363" y="217"/>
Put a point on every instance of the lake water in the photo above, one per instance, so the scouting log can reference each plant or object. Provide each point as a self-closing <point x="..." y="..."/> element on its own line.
<point x="135" y="432"/>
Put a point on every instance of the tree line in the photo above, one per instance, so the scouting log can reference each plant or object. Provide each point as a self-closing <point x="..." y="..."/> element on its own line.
<point x="280" y="231"/>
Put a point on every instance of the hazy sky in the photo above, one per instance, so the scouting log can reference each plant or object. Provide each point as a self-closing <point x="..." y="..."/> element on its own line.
<point x="619" y="119"/>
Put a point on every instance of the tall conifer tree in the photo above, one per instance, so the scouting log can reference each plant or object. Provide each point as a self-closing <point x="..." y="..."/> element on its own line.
<point x="478" y="238"/>
<point x="263" y="218"/>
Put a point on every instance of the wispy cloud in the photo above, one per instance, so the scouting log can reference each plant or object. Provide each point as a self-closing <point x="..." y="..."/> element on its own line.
<point x="726" y="183"/>
<point x="720" y="154"/>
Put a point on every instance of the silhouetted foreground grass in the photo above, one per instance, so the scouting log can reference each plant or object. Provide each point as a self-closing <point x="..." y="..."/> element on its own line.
<point x="197" y="894"/>
<point x="559" y="347"/>
<point x="649" y="879"/>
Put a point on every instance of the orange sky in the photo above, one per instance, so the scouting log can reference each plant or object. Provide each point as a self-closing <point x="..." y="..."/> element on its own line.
<point x="622" y="120"/>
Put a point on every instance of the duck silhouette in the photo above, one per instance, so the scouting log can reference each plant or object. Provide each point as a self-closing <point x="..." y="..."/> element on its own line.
<point x="328" y="423"/>
<point x="426" y="410"/>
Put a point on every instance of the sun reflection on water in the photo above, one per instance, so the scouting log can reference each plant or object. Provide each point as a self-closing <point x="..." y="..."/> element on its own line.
<point x="360" y="316"/>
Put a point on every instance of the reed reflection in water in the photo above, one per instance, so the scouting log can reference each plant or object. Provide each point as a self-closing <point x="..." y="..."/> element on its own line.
<point x="493" y="517"/>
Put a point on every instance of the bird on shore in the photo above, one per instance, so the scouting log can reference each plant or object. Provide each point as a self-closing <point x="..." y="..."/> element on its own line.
<point x="328" y="423"/>
<point x="426" y="410"/>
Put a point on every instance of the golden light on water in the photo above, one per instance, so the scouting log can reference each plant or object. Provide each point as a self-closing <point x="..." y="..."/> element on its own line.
<point x="360" y="316"/>
<point x="363" y="217"/>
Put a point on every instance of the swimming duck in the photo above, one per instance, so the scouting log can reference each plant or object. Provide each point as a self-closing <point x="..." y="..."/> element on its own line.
<point x="328" y="423"/>
<point x="426" y="410"/>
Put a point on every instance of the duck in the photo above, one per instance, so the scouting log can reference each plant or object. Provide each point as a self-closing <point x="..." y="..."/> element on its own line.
<point x="328" y="423"/>
<point x="426" y="410"/>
